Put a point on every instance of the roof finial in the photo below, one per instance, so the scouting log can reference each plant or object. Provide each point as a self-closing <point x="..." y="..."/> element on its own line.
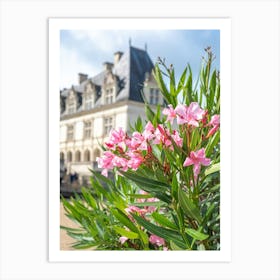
<point x="146" y="47"/>
<point x="129" y="41"/>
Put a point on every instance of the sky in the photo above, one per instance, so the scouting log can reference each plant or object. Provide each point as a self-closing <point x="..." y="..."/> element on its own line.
<point x="84" y="51"/>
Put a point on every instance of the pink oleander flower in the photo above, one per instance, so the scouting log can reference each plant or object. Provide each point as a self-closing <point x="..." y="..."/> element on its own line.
<point x="194" y="114"/>
<point x="116" y="138"/>
<point x="162" y="136"/>
<point x="138" y="142"/>
<point x="190" y="115"/>
<point x="123" y="239"/>
<point x="136" y="159"/>
<point x="106" y="162"/>
<point x="205" y="118"/>
<point x="156" y="240"/>
<point x="120" y="162"/>
<point x="135" y="209"/>
<point x="148" y="132"/>
<point x="215" y="122"/>
<point x="181" y="112"/>
<point x="177" y="139"/>
<point x="171" y="114"/>
<point x="197" y="159"/>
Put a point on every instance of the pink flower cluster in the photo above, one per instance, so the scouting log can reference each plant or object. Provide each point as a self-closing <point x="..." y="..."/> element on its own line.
<point x="153" y="239"/>
<point x="125" y="152"/>
<point x="190" y="115"/>
<point x="197" y="159"/>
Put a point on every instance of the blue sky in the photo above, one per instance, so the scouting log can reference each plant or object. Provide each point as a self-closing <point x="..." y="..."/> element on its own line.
<point x="84" y="51"/>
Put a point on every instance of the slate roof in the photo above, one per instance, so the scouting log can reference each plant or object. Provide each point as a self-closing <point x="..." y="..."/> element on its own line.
<point x="130" y="72"/>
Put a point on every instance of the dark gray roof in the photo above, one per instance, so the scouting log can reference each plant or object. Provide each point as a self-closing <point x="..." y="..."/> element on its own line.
<point x="130" y="72"/>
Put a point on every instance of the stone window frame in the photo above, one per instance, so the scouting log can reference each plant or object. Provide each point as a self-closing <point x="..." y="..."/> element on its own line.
<point x="69" y="156"/>
<point x="154" y="96"/>
<point x="88" y="101"/>
<point x="71" y="103"/>
<point x="107" y="127"/>
<point x="87" y="155"/>
<point x="78" y="156"/>
<point x="109" y="95"/>
<point x="70" y="132"/>
<point x="88" y="129"/>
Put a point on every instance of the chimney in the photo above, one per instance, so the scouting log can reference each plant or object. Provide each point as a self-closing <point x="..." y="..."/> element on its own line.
<point x="117" y="57"/>
<point x="108" y="66"/>
<point x="82" y="77"/>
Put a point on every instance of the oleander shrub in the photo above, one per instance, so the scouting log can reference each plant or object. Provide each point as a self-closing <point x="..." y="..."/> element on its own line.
<point x="166" y="189"/>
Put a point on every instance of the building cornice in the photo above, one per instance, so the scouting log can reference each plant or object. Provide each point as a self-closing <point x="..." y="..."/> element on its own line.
<point x="101" y="108"/>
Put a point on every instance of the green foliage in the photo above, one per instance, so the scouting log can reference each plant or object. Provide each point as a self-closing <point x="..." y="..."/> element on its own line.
<point x="162" y="197"/>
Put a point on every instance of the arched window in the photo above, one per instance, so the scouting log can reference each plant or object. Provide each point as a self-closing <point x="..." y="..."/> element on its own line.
<point x="96" y="154"/>
<point x="87" y="155"/>
<point x="78" y="156"/>
<point x="61" y="156"/>
<point x="154" y="96"/>
<point x="69" y="156"/>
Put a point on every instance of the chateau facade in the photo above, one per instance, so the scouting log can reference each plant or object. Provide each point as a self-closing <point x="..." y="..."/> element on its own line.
<point x="110" y="99"/>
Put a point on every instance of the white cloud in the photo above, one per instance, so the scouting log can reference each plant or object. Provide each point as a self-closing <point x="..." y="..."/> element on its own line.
<point x="72" y="63"/>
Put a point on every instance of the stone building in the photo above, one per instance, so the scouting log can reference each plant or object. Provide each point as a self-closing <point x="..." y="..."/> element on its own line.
<point x="97" y="104"/>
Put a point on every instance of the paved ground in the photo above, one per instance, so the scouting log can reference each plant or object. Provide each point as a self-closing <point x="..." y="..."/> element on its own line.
<point x="65" y="240"/>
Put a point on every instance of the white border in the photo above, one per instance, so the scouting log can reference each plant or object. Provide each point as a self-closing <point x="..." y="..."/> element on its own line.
<point x="255" y="89"/>
<point x="222" y="24"/>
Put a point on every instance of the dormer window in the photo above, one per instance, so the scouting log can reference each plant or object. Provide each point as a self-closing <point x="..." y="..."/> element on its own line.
<point x="88" y="101"/>
<point x="154" y="96"/>
<point x="109" y="96"/>
<point x="71" y="106"/>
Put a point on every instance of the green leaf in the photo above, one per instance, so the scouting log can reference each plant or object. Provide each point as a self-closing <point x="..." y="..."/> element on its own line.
<point x="188" y="206"/>
<point x="195" y="138"/>
<point x="212" y="143"/>
<point x="174" y="186"/>
<point x="124" y="219"/>
<point x="166" y="234"/>
<point x="196" y="234"/>
<point x="210" y="98"/>
<point x="175" y="247"/>
<point x="212" y="169"/>
<point x="126" y="233"/>
<point x="141" y="196"/>
<point x="162" y="86"/>
<point x="155" y="203"/>
<point x="157" y="185"/>
<point x="157" y="188"/>
<point x="172" y="84"/>
<point x="182" y="80"/>
<point x="149" y="113"/>
<point x="100" y="177"/>
<point x="189" y="87"/>
<point x="89" y="198"/>
<point x="162" y="220"/>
